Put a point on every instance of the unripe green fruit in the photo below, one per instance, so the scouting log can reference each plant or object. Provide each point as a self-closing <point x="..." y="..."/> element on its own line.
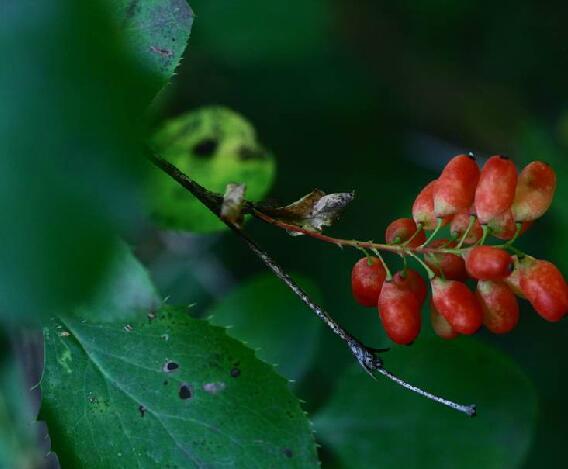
<point x="214" y="146"/>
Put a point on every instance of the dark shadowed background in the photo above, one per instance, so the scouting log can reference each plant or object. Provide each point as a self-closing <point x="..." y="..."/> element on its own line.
<point x="376" y="97"/>
<point x="370" y="96"/>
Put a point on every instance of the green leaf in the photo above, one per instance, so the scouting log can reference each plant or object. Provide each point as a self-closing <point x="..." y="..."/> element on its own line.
<point x="265" y="315"/>
<point x="367" y="421"/>
<point x="18" y="448"/>
<point x="70" y="140"/>
<point x="124" y="291"/>
<point x="157" y="31"/>
<point x="215" y="146"/>
<point x="111" y="395"/>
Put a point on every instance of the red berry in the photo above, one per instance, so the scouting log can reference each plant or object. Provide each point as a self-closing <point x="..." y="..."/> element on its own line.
<point x="545" y="288"/>
<point x="503" y="226"/>
<point x="454" y="191"/>
<point x="423" y="208"/>
<point x="399" y="311"/>
<point x="535" y="191"/>
<point x="413" y="281"/>
<point x="496" y="189"/>
<point x="402" y="230"/>
<point x="367" y="278"/>
<point x="457" y="304"/>
<point x="513" y="281"/>
<point x="440" y="325"/>
<point x="447" y="265"/>
<point x="459" y="225"/>
<point x="500" y="307"/>
<point x="488" y="263"/>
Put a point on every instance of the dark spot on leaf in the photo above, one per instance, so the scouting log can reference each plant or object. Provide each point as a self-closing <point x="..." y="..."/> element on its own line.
<point x="288" y="452"/>
<point x="165" y="382"/>
<point x="170" y="366"/>
<point x="206" y="148"/>
<point x="235" y="372"/>
<point x="248" y="153"/>
<point x="142" y="410"/>
<point x="185" y="391"/>
<point x="131" y="9"/>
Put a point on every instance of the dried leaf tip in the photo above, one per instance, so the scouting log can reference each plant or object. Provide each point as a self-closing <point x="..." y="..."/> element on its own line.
<point x="233" y="201"/>
<point x="313" y="211"/>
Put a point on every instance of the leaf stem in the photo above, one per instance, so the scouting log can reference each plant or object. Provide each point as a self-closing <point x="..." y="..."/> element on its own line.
<point x="439" y="223"/>
<point x="466" y="233"/>
<point x="419" y="229"/>
<point x="429" y="271"/>
<point x="485" y="230"/>
<point x="519" y="227"/>
<point x="388" y="277"/>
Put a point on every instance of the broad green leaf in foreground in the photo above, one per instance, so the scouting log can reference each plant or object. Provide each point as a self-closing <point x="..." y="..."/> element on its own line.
<point x="157" y="30"/>
<point x="71" y="150"/>
<point x="18" y="446"/>
<point x="169" y="391"/>
<point x="265" y="315"/>
<point x="377" y="423"/>
<point x="215" y="146"/>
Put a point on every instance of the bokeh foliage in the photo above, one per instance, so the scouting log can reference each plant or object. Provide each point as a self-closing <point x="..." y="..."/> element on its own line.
<point x="373" y="97"/>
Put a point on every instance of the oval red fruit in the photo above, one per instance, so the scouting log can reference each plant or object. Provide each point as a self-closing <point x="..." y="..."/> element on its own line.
<point x="399" y="311"/>
<point x="535" y="191"/>
<point x="545" y="288"/>
<point x="496" y="189"/>
<point x="423" y="207"/>
<point x="500" y="307"/>
<point x="460" y="224"/>
<point x="447" y="265"/>
<point x="488" y="263"/>
<point x="367" y="278"/>
<point x="457" y="304"/>
<point x="454" y="190"/>
<point x="413" y="281"/>
<point x="440" y="325"/>
<point x="401" y="230"/>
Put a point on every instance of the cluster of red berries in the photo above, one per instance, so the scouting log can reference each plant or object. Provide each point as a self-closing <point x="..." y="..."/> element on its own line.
<point x="473" y="203"/>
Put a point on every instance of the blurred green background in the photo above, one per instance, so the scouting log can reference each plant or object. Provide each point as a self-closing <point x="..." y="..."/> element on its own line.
<point x="371" y="96"/>
<point x="376" y="96"/>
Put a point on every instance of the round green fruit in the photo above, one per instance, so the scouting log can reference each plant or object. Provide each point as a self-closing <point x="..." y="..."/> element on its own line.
<point x="214" y="146"/>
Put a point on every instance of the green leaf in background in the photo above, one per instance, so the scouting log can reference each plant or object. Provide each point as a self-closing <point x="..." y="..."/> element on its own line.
<point x="265" y="315"/>
<point x="18" y="447"/>
<point x="157" y="30"/>
<point x="171" y="391"/>
<point x="369" y="422"/>
<point x="70" y="140"/>
<point x="215" y="146"/>
<point x="124" y="291"/>
<point x="260" y="32"/>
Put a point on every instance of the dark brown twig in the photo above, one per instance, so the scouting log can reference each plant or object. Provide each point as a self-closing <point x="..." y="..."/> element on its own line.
<point x="367" y="357"/>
